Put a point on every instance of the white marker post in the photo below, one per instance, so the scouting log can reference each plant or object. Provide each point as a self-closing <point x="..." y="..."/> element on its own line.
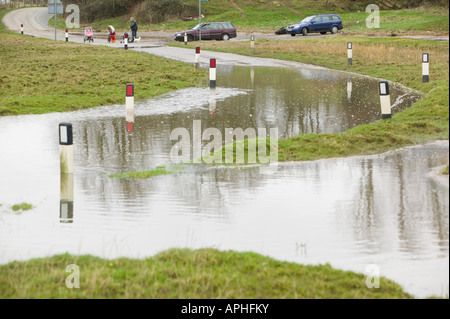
<point x="425" y="67"/>
<point x="185" y="39"/>
<point x="197" y="57"/>
<point x="252" y="43"/>
<point x="129" y="102"/>
<point x="350" y="53"/>
<point x="21" y="28"/>
<point x="212" y="74"/>
<point x="125" y="41"/>
<point x="66" y="148"/>
<point x="385" y="100"/>
<point x="67" y="35"/>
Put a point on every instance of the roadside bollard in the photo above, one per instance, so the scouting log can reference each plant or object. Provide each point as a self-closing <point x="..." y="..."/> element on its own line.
<point x="21" y="28"/>
<point x="350" y="53"/>
<point x="212" y="74"/>
<point x="425" y="67"/>
<point x="66" y="148"/>
<point x="185" y="39"/>
<point x="197" y="57"/>
<point x="129" y="104"/>
<point x="66" y="199"/>
<point x="67" y="35"/>
<point x="252" y="43"/>
<point x="125" y="41"/>
<point x="385" y="100"/>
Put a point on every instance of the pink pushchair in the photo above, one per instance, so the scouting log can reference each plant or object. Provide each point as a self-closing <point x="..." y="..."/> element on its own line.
<point x="88" y="36"/>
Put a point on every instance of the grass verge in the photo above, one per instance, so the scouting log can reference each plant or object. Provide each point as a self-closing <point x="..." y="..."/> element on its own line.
<point x="41" y="76"/>
<point x="158" y="171"/>
<point x="394" y="59"/>
<point x="190" y="274"/>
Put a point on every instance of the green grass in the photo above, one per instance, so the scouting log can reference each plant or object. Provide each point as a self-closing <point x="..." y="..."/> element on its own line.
<point x="444" y="171"/>
<point x="21" y="207"/>
<point x="187" y="274"/>
<point x="41" y="76"/>
<point x="394" y="59"/>
<point x="158" y="171"/>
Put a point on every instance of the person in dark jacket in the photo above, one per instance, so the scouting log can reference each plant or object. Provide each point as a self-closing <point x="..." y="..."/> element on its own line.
<point x="133" y="28"/>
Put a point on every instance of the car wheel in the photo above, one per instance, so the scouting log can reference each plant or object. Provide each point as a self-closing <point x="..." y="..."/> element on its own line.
<point x="190" y="38"/>
<point x="324" y="32"/>
<point x="334" y="30"/>
<point x="293" y="34"/>
<point x="305" y="31"/>
<point x="225" y="37"/>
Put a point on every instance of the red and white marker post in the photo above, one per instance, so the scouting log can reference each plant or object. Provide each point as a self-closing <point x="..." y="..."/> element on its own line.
<point x="21" y="28"/>
<point x="129" y="103"/>
<point x="212" y="73"/>
<point x="125" y="41"/>
<point x="67" y="35"/>
<point x="197" y="57"/>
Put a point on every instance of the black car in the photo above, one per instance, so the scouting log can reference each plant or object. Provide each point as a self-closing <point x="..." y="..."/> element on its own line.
<point x="209" y="31"/>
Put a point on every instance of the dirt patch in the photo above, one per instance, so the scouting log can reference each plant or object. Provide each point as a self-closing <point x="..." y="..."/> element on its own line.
<point x="238" y="7"/>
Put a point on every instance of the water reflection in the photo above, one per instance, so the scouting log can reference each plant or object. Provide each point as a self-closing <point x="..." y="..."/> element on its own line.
<point x="66" y="198"/>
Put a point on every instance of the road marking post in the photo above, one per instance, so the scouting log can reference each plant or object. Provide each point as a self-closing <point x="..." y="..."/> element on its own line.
<point x="350" y="53"/>
<point x="385" y="100"/>
<point x="425" y="67"/>
<point x="21" y="28"/>
<point x="212" y="74"/>
<point x="67" y="35"/>
<point x="129" y="104"/>
<point x="197" y="57"/>
<point x="185" y="39"/>
<point x="125" y="41"/>
<point x="66" y="147"/>
<point x="252" y="43"/>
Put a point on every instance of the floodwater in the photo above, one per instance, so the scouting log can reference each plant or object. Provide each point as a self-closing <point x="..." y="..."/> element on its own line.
<point x="352" y="212"/>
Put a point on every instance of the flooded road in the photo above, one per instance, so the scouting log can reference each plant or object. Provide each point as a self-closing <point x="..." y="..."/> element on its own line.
<point x="350" y="212"/>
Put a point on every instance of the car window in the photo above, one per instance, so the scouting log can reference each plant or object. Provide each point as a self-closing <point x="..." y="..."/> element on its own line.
<point x="206" y="27"/>
<point x="317" y="19"/>
<point x="216" y="26"/>
<point x="228" y="25"/>
<point x="336" y="18"/>
<point x="326" y="18"/>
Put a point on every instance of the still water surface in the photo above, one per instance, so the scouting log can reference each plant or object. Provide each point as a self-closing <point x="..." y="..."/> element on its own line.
<point x="351" y="212"/>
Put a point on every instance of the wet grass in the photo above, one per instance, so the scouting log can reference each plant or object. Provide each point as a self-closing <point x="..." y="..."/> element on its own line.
<point x="158" y="171"/>
<point x="444" y="171"/>
<point x="41" y="76"/>
<point x="187" y="274"/>
<point x="21" y="207"/>
<point x="393" y="59"/>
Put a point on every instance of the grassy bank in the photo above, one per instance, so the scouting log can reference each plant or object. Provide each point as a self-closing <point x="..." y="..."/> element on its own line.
<point x="394" y="59"/>
<point x="41" y="76"/>
<point x="182" y="273"/>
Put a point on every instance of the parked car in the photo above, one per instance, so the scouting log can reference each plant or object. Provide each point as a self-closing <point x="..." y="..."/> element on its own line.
<point x="322" y="23"/>
<point x="210" y="31"/>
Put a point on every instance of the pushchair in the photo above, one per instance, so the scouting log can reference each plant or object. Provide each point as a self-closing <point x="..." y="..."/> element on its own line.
<point x="88" y="36"/>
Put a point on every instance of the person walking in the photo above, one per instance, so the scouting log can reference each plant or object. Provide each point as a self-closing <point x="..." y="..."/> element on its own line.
<point x="133" y="28"/>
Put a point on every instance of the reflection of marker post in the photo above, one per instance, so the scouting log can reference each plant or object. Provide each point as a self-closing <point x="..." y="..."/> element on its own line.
<point x="66" y="148"/>
<point x="425" y="67"/>
<point x="185" y="39"/>
<point x="21" y="28"/>
<point x="125" y="42"/>
<point x="66" y="199"/>
<point x="129" y="102"/>
<point x="67" y="35"/>
<point x="350" y="53"/>
<point x="197" y="57"/>
<point x="212" y="74"/>
<point x="385" y="100"/>
<point x="349" y="88"/>
<point x="252" y="43"/>
<point x="252" y="74"/>
<point x="212" y="103"/>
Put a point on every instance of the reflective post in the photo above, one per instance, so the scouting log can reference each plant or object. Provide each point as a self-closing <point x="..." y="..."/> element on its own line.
<point x="66" y="147"/>
<point x="21" y="28"/>
<point x="385" y="100"/>
<point x="425" y="67"/>
<point x="185" y="39"/>
<point x="197" y="57"/>
<point x="350" y="53"/>
<point x="212" y="73"/>
<point x="67" y="35"/>
<point x="252" y="43"/>
<point x="125" y="42"/>
<point x="129" y="102"/>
